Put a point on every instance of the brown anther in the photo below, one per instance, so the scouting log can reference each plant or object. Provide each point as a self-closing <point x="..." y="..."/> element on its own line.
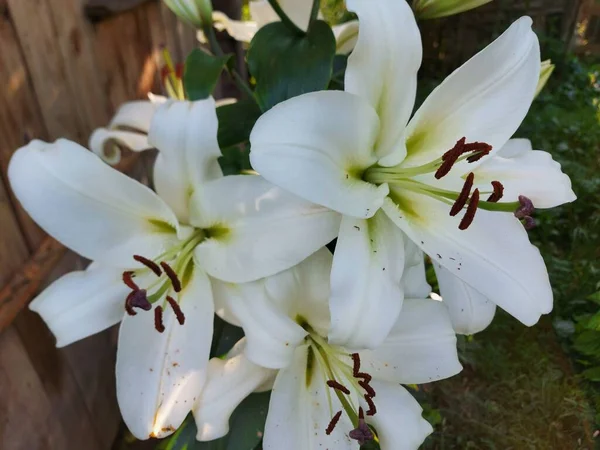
<point x="164" y="72"/>
<point x="172" y="276"/>
<point x="479" y="150"/>
<point x="461" y="201"/>
<point x="176" y="309"/>
<point x="179" y="71"/>
<point x="498" y="192"/>
<point x="457" y="149"/>
<point x="139" y="299"/>
<point x="372" y="409"/>
<point x="149" y="264"/>
<point x="467" y="219"/>
<point x="367" y="387"/>
<point x="526" y="208"/>
<point x="128" y="280"/>
<point x="362" y="433"/>
<point x="128" y="307"/>
<point x="364" y="376"/>
<point x="334" y="420"/>
<point x="356" y="366"/>
<point x="158" y="319"/>
<point x="449" y="158"/>
<point x="339" y="386"/>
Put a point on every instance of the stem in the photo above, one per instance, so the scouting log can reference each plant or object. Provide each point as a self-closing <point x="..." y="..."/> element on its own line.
<point x="314" y="12"/>
<point x="284" y="17"/>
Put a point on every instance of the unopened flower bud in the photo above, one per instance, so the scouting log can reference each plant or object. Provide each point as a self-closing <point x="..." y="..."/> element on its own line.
<point x="545" y="72"/>
<point x="195" y="12"/>
<point x="433" y="9"/>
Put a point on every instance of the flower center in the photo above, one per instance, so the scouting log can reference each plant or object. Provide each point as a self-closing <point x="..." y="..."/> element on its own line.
<point x="342" y="374"/>
<point x="467" y="199"/>
<point x="173" y="271"/>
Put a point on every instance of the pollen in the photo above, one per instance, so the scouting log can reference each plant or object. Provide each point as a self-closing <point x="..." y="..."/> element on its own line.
<point x="149" y="264"/>
<point x="338" y="386"/>
<point x="128" y="280"/>
<point x="498" y="192"/>
<point x="158" y="319"/>
<point x="176" y="309"/>
<point x="333" y="422"/>
<point x="172" y="276"/>
<point x="467" y="219"/>
<point x="461" y="201"/>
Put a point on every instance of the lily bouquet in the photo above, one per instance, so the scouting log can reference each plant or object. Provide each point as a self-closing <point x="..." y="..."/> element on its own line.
<point x="314" y="261"/>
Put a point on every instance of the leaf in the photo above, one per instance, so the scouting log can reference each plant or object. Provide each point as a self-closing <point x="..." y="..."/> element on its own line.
<point x="286" y="64"/>
<point x="247" y="425"/>
<point x="236" y="122"/>
<point x="592" y="374"/>
<point x="201" y="73"/>
<point x="225" y="337"/>
<point x="340" y="62"/>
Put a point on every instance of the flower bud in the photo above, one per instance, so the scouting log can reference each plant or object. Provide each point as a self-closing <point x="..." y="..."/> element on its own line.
<point x="433" y="9"/>
<point x="545" y="72"/>
<point x="195" y="12"/>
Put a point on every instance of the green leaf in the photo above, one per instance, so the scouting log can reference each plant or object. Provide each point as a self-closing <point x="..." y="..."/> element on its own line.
<point x="247" y="425"/>
<point x="592" y="374"/>
<point x="201" y="73"/>
<point x="236" y="122"/>
<point x="286" y="64"/>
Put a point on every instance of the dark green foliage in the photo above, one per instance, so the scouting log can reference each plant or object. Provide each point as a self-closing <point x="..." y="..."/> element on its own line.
<point x="201" y="73"/>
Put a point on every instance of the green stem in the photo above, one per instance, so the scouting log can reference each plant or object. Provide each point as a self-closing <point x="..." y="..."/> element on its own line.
<point x="284" y="17"/>
<point x="314" y="12"/>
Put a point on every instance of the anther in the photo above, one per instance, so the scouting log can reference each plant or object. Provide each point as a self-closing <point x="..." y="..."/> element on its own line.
<point x="334" y="420"/>
<point x="158" y="319"/>
<point x="479" y="149"/>
<point x="356" y="366"/>
<point x="362" y="433"/>
<point x="172" y="276"/>
<point x="128" y="307"/>
<point x="498" y="192"/>
<point x="339" y="386"/>
<point x="461" y="201"/>
<point x="367" y="387"/>
<point x="176" y="309"/>
<point x="449" y="158"/>
<point x="149" y="264"/>
<point x="128" y="280"/>
<point x="138" y="299"/>
<point x="467" y="219"/>
<point x="372" y="409"/>
<point x="526" y="208"/>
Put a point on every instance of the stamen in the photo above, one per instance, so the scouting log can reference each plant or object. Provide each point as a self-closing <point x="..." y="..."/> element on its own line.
<point x="362" y="433"/>
<point x="172" y="276"/>
<point x="158" y="319"/>
<point x="356" y="361"/>
<point x="372" y="409"/>
<point x="339" y="386"/>
<point x="467" y="219"/>
<point x="498" y="192"/>
<point x="334" y="420"/>
<point x="461" y="201"/>
<point x="139" y="299"/>
<point x="128" y="280"/>
<point x="149" y="264"/>
<point x="367" y="388"/>
<point x="449" y="158"/>
<point x="128" y="307"/>
<point x="526" y="208"/>
<point x="176" y="309"/>
<point x="364" y="376"/>
<point x="479" y="149"/>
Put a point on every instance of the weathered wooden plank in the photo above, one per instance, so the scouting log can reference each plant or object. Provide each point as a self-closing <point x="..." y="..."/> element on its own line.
<point x="37" y="34"/>
<point x="172" y="39"/>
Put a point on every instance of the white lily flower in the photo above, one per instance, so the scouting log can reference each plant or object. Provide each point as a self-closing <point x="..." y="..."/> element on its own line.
<point x="356" y="153"/>
<point x="298" y="11"/>
<point x="435" y="9"/>
<point x="159" y="251"/>
<point x="321" y="390"/>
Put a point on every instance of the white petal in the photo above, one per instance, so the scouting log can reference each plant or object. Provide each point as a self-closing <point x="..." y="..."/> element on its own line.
<point x="366" y="295"/>
<point x="262" y="229"/>
<point x="493" y="255"/>
<point x="221" y="292"/>
<point x="160" y="375"/>
<point x="414" y="279"/>
<point x="239" y="30"/>
<point x="299" y="414"/>
<point x="107" y="143"/>
<point x="470" y="311"/>
<point x="262" y="12"/>
<point x="185" y="133"/>
<point x="421" y="348"/>
<point x="91" y="208"/>
<point x="398" y="420"/>
<point x="229" y="382"/>
<point x="532" y="173"/>
<point x="484" y="100"/>
<point x="316" y="146"/>
<point x="346" y="36"/>
<point x="383" y="67"/>
<point x="82" y="303"/>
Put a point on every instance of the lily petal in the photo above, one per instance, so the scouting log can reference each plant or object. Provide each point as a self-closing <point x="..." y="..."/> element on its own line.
<point x="398" y="421"/>
<point x="383" y="67"/>
<point x="228" y="383"/>
<point x="80" y="304"/>
<point x="421" y="347"/>
<point x="493" y="255"/>
<point x="257" y="228"/>
<point x="346" y="36"/>
<point x="484" y="100"/>
<point x="470" y="311"/>
<point x="91" y="208"/>
<point x="185" y="133"/>
<point x="241" y="31"/>
<point x="366" y="295"/>
<point x="160" y="375"/>
<point x="528" y="172"/>
<point x="316" y="146"/>
<point x="414" y="278"/>
<point x="299" y="414"/>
